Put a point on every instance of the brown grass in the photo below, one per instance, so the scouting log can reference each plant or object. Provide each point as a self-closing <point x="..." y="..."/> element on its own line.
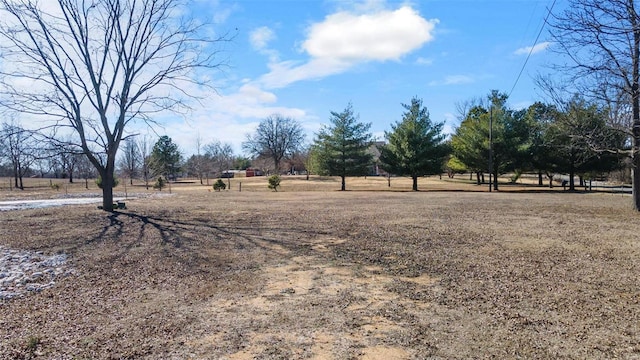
<point x="367" y="273"/>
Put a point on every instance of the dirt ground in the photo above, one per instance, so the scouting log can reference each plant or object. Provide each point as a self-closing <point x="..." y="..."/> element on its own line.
<point x="453" y="272"/>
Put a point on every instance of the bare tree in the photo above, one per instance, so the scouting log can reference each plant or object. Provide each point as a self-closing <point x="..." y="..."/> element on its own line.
<point x="602" y="40"/>
<point x="220" y="157"/>
<point x="276" y="137"/>
<point x="85" y="170"/>
<point x="19" y="146"/>
<point x="199" y="164"/>
<point x="97" y="66"/>
<point x="145" y="146"/>
<point x="130" y="159"/>
<point x="65" y="154"/>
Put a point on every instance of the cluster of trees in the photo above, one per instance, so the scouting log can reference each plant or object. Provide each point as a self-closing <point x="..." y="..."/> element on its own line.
<point x="343" y="148"/>
<point x="94" y="68"/>
<point x="26" y="153"/>
<point x="415" y="146"/>
<point x="572" y="137"/>
<point x="141" y="160"/>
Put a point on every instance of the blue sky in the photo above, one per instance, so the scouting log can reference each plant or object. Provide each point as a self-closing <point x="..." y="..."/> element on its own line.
<point x="304" y="59"/>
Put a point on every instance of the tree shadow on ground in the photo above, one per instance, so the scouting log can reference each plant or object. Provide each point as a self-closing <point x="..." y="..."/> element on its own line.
<point x="187" y="241"/>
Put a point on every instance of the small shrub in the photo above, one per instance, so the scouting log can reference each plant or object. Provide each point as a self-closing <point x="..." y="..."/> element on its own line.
<point x="32" y="344"/>
<point x="160" y="183"/>
<point x="116" y="181"/>
<point x="274" y="182"/>
<point x="55" y="186"/>
<point x="219" y="185"/>
<point x="516" y="175"/>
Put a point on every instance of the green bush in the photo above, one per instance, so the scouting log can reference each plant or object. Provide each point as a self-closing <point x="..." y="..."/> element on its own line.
<point x="116" y="181"/>
<point x="516" y="175"/>
<point x="160" y="183"/>
<point x="32" y="344"/>
<point x="219" y="185"/>
<point x="274" y="182"/>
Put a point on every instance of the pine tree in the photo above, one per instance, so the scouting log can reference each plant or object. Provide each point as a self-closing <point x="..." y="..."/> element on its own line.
<point x="165" y="157"/>
<point x="342" y="147"/>
<point x="415" y="145"/>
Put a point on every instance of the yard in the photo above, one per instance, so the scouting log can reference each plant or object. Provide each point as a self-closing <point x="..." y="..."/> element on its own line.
<point x="309" y="272"/>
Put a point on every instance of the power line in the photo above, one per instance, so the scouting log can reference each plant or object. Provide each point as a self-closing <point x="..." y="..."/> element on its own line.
<point x="532" y="47"/>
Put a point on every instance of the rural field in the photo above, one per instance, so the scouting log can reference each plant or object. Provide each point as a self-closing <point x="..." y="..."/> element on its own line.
<point x="450" y="272"/>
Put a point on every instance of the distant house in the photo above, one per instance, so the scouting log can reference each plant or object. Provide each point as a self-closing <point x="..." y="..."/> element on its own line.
<point x="251" y="172"/>
<point x="374" y="150"/>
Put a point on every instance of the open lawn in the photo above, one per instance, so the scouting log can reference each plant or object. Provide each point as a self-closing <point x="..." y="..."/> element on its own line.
<point x="453" y="272"/>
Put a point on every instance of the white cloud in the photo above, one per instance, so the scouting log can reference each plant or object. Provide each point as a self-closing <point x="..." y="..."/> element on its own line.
<point x="350" y="37"/>
<point x="218" y="11"/>
<point x="449" y="123"/>
<point x="424" y="61"/>
<point x="454" y="80"/>
<point x="532" y="49"/>
<point x="261" y="37"/>
<point x="384" y="35"/>
<point x="521" y="105"/>
<point x="287" y="72"/>
<point x="378" y="136"/>
<point x="228" y="117"/>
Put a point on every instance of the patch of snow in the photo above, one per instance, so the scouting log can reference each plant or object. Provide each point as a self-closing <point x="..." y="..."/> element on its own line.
<point x="24" y="271"/>
<point x="39" y="204"/>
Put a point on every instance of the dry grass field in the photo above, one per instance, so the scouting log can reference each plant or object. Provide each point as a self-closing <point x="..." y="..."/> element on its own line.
<point x="451" y="272"/>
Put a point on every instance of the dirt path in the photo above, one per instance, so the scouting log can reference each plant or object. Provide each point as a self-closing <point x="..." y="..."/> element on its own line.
<point x="309" y="307"/>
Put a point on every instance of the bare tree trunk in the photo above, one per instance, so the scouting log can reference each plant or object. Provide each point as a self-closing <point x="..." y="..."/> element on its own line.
<point x="415" y="183"/>
<point x="572" y="173"/>
<point x="540" y="178"/>
<point x="635" y="104"/>
<point x="635" y="153"/>
<point x="343" y="187"/>
<point x="108" y="179"/>
<point x="15" y="177"/>
<point x="635" y="173"/>
<point x="635" y="156"/>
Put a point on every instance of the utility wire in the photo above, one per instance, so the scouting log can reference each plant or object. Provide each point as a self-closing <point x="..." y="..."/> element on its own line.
<point x="533" y="47"/>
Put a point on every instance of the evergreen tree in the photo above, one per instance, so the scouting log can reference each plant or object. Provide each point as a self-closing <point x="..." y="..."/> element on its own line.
<point x="470" y="143"/>
<point x="165" y="157"/>
<point x="576" y="136"/>
<point x="509" y="132"/>
<point x="415" y="145"/>
<point x="342" y="147"/>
